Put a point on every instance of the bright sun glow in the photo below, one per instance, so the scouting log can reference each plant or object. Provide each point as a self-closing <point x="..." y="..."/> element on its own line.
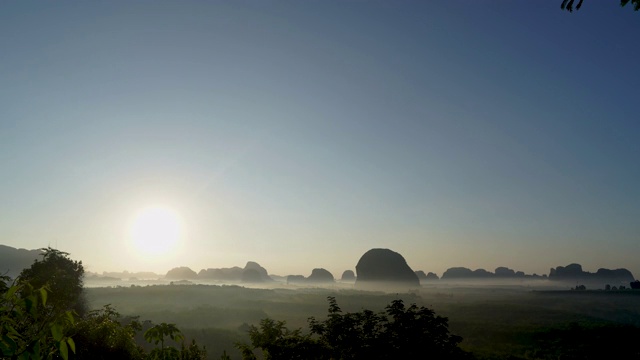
<point x="155" y="231"/>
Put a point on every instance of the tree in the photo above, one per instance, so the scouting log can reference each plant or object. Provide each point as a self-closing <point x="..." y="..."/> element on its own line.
<point x="103" y="334"/>
<point x="399" y="332"/>
<point x="62" y="276"/>
<point x="275" y="341"/>
<point x="568" y="4"/>
<point x="26" y="330"/>
<point x="34" y="324"/>
<point x="157" y="334"/>
<point x="194" y="352"/>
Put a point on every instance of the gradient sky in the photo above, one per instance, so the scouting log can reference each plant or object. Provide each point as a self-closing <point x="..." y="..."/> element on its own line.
<point x="300" y="134"/>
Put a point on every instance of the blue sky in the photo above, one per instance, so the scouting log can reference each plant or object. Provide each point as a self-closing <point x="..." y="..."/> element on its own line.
<point x="300" y="134"/>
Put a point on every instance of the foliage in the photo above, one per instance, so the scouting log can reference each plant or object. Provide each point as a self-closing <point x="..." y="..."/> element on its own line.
<point x="399" y="332"/>
<point x="37" y="320"/>
<point x="568" y="4"/>
<point x="103" y="334"/>
<point x="157" y="334"/>
<point x="62" y="276"/>
<point x="29" y="329"/>
<point x="278" y="342"/>
<point x="636" y="4"/>
<point x="193" y="352"/>
<point x="4" y="283"/>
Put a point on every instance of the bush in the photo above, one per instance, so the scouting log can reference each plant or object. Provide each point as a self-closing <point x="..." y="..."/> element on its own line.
<point x="397" y="333"/>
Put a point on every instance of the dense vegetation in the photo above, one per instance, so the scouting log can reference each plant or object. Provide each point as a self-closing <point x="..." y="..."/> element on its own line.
<point x="43" y="315"/>
<point x="398" y="333"/>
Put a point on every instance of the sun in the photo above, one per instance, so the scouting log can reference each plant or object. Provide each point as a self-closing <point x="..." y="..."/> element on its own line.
<point x="155" y="231"/>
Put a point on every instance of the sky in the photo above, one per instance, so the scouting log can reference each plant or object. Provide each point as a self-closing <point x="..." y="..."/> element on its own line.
<point x="300" y="134"/>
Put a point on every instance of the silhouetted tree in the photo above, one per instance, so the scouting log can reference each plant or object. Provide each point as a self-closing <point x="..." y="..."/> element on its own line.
<point x="274" y="341"/>
<point x="157" y="333"/>
<point x="160" y="333"/>
<point x="194" y="352"/>
<point x="568" y="4"/>
<point x="104" y="335"/>
<point x="399" y="332"/>
<point x="62" y="276"/>
<point x="38" y="309"/>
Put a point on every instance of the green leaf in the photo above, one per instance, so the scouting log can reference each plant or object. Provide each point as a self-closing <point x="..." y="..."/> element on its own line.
<point x="36" y="350"/>
<point x="70" y="317"/>
<point x="12" y="330"/>
<point x="17" y="313"/>
<point x="12" y="291"/>
<point x="7" y="346"/>
<point x="64" y="351"/>
<point x="72" y="344"/>
<point x="43" y="294"/>
<point x="56" y="332"/>
<point x="28" y="304"/>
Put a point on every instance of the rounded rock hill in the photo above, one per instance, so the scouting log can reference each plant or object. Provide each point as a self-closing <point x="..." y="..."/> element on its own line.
<point x="320" y="276"/>
<point x="385" y="266"/>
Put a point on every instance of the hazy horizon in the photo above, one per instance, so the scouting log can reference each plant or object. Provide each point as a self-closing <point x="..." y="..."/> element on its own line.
<point x="150" y="135"/>
<point x="335" y="271"/>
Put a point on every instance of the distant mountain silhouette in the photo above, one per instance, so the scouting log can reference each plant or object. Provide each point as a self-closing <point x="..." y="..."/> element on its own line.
<point x="426" y="277"/>
<point x="252" y="276"/>
<point x="278" y="278"/>
<point x="348" y="275"/>
<point x="181" y="273"/>
<point x="501" y="272"/>
<point x="574" y="272"/>
<point x="235" y="274"/>
<point x="458" y="273"/>
<point x="296" y="279"/>
<point x="141" y="275"/>
<point x="384" y="266"/>
<point x="222" y="274"/>
<point x="482" y="273"/>
<point x="317" y="276"/>
<point x="504" y="272"/>
<point x="320" y="276"/>
<point x="92" y="277"/>
<point x="421" y="275"/>
<point x="13" y="261"/>
<point x="262" y="272"/>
